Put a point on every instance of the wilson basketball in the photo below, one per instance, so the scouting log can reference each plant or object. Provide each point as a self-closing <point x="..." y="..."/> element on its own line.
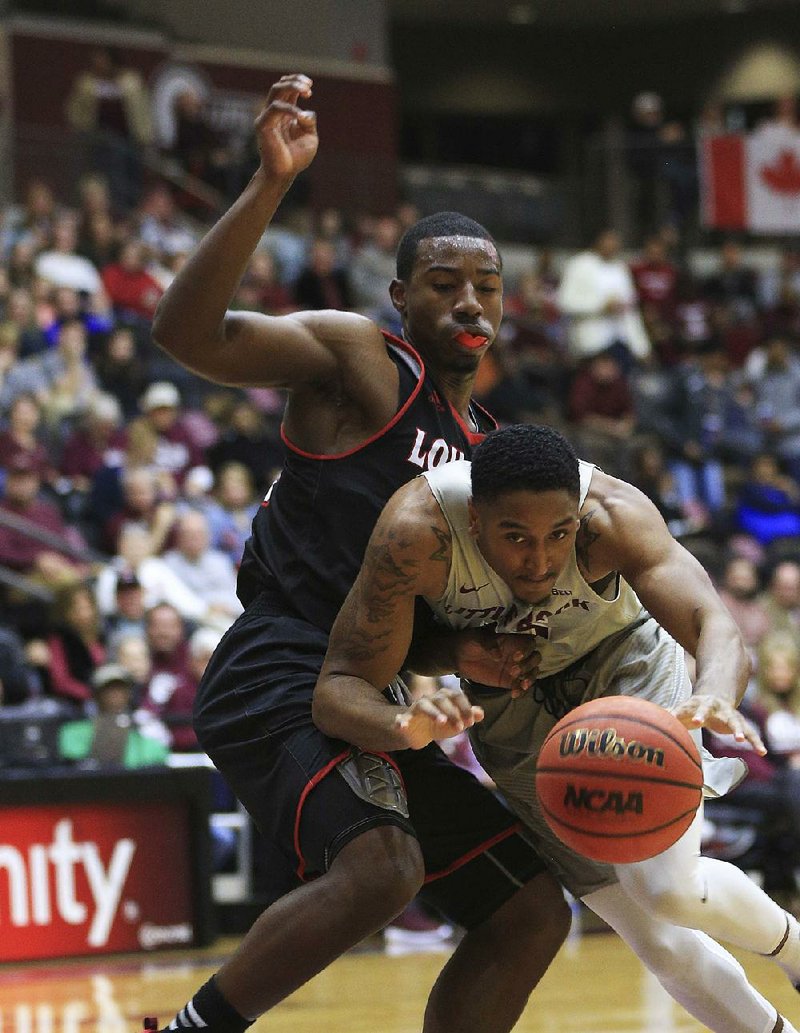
<point x="619" y="779"/>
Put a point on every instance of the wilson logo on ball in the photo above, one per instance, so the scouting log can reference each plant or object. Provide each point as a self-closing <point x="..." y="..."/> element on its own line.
<point x="605" y="742"/>
<point x="598" y="800"/>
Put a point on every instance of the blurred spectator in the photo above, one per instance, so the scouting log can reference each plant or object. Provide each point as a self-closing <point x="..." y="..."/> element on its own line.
<point x="94" y="313"/>
<point x="598" y="296"/>
<point x="159" y="583"/>
<point x="740" y="591"/>
<point x="779" y="294"/>
<point x="170" y="697"/>
<point x="372" y="267"/>
<point x="32" y="221"/>
<point x="97" y="441"/>
<point x="19" y="681"/>
<point x="110" y="104"/>
<point x="650" y="474"/>
<point x="779" y="692"/>
<point x="120" y="371"/>
<point x="656" y="279"/>
<point x="75" y="646"/>
<point x="176" y="451"/>
<point x="22" y="435"/>
<point x="134" y="293"/>
<point x="662" y="164"/>
<point x="246" y="439"/>
<point x="62" y="266"/>
<point x="126" y="619"/>
<point x="776" y="390"/>
<point x="261" y="289"/>
<point x="767" y="506"/>
<point x="207" y="572"/>
<point x="167" y="640"/>
<point x="782" y="597"/>
<point x="735" y="285"/>
<point x="133" y="653"/>
<point x="29" y="338"/>
<point x="162" y="226"/>
<point x="600" y="407"/>
<point x="26" y="555"/>
<point x="111" y="737"/>
<point x="231" y="510"/>
<point x="200" y="150"/>
<point x="321" y="285"/>
<point x="142" y="505"/>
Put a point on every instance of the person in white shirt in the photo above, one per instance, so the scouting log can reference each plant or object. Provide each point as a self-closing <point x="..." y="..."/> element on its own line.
<point x="209" y="573"/>
<point x="598" y="296"/>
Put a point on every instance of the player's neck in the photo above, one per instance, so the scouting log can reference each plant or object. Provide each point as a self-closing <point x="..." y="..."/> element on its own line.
<point x="456" y="386"/>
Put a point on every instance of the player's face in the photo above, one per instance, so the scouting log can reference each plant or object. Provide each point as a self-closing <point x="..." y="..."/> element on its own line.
<point x="452" y="304"/>
<point x="527" y="538"/>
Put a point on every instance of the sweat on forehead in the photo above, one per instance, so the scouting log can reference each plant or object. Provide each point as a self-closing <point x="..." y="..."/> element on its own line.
<point x="431" y="249"/>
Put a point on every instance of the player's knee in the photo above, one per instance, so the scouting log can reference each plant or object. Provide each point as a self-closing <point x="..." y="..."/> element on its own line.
<point x="538" y="912"/>
<point x="674" y="905"/>
<point x="384" y="868"/>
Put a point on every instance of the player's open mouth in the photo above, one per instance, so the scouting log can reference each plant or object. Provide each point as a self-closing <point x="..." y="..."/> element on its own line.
<point x="468" y="340"/>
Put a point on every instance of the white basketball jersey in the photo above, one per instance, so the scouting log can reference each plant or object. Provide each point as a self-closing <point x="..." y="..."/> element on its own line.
<point x="573" y="621"/>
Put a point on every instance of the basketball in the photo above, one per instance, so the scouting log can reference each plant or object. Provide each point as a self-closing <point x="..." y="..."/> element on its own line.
<point x="619" y="779"/>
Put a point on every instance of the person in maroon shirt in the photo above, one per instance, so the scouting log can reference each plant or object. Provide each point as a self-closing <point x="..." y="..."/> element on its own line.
<point x="176" y="450"/>
<point x="656" y="278"/>
<point x="131" y="288"/>
<point x="50" y="561"/>
<point x="170" y="697"/>
<point x="600" y="406"/>
<point x="21" y="436"/>
<point x="166" y="637"/>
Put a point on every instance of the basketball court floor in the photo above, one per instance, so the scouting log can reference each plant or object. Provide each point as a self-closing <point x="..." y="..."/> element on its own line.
<point x="595" y="985"/>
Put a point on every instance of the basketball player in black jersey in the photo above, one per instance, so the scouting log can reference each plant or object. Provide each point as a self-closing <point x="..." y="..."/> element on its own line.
<point x="353" y="836"/>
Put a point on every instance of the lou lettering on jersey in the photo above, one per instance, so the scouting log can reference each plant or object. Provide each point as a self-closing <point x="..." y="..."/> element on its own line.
<point x="427" y="455"/>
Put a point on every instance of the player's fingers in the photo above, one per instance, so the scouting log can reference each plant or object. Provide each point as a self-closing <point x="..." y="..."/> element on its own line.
<point x="290" y="87"/>
<point x="277" y="112"/>
<point x="477" y="714"/>
<point x="457" y="698"/>
<point x="437" y="710"/>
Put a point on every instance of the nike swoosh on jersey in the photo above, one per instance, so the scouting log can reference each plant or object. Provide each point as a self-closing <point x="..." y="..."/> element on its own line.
<point x="465" y="589"/>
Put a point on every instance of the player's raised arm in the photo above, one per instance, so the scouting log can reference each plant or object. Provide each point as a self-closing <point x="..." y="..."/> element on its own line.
<point x="625" y="532"/>
<point x="192" y="322"/>
<point x="408" y="556"/>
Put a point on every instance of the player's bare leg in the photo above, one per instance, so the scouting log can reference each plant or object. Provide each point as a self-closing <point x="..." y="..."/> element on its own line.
<point x="486" y="983"/>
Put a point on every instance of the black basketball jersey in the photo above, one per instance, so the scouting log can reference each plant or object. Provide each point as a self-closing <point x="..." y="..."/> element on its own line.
<point x="310" y="535"/>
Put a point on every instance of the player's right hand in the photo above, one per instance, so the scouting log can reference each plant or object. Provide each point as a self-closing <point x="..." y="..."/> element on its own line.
<point x="439" y="716"/>
<point x="287" y="134"/>
<point x="505" y="661"/>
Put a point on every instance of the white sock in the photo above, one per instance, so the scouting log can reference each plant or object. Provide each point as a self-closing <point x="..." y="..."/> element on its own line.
<point x="787" y="952"/>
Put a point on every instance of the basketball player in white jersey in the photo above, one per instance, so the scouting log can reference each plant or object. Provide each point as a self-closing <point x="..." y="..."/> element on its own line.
<point x="529" y="540"/>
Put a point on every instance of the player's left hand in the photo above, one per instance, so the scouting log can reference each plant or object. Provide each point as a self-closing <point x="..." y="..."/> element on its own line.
<point x="502" y="660"/>
<point x="719" y="715"/>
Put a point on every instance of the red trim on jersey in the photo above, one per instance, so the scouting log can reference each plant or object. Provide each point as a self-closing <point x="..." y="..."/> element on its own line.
<point x="397" y="416"/>
<point x="475" y="852"/>
<point x="472" y="437"/>
<point x="315" y="781"/>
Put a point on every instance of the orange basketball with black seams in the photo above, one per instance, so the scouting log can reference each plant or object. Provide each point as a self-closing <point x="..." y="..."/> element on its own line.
<point x="619" y="779"/>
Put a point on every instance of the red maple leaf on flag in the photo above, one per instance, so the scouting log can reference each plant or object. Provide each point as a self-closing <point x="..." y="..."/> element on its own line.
<point x="783" y="176"/>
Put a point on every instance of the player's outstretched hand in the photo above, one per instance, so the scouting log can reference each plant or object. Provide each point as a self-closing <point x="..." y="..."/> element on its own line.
<point x="505" y="661"/>
<point x="718" y="715"/>
<point x="440" y="716"/>
<point x="287" y="134"/>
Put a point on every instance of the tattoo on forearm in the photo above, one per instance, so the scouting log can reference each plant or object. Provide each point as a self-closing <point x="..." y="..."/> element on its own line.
<point x="584" y="540"/>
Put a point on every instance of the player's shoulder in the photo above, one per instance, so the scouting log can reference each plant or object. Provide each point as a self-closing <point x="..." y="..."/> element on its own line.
<point x="619" y="518"/>
<point x="614" y="499"/>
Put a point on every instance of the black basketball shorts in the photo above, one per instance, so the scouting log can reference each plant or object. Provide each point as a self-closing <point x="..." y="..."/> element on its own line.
<point x="253" y="718"/>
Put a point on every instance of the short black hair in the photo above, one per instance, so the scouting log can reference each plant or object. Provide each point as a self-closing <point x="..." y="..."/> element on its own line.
<point x="524" y="457"/>
<point x="440" y="224"/>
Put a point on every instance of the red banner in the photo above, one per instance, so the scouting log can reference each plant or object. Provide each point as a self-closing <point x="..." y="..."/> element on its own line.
<point x="94" y="879"/>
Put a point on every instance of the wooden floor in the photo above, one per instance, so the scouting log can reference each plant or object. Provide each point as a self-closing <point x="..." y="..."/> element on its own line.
<point x="595" y="986"/>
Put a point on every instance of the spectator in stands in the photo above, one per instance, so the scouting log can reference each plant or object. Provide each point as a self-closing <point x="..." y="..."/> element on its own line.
<point x="97" y="441"/>
<point x="159" y="583"/>
<point x="62" y="266"/>
<point x="779" y="294"/>
<point x="110" y="105"/>
<point x="75" y="646"/>
<point x="20" y="316"/>
<point x="133" y="291"/>
<point x="121" y="371"/>
<point x="598" y="297"/>
<point x="170" y="697"/>
<point x="735" y="285"/>
<point x="372" y="267"/>
<point x="776" y="390"/>
<point x="656" y="280"/>
<point x="740" y="591"/>
<point x="176" y="451"/>
<point x="767" y="506"/>
<point x="22" y="435"/>
<point x="49" y="561"/>
<point x="167" y="640"/>
<point x="779" y="692"/>
<point x="127" y="616"/>
<point x="261" y="289"/>
<point x="231" y="510"/>
<point x="112" y="737"/>
<point x="651" y="475"/>
<point x="133" y="653"/>
<point x="69" y="304"/>
<point x="141" y="504"/>
<point x="321" y="284"/>
<point x="200" y="150"/>
<point x="247" y="440"/>
<point x="601" y="410"/>
<point x="32" y="221"/>
<point x="207" y="572"/>
<point x="19" y="681"/>
<point x="162" y="227"/>
<point x="782" y="597"/>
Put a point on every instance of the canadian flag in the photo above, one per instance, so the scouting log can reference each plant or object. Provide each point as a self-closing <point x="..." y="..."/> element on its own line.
<point x="752" y="182"/>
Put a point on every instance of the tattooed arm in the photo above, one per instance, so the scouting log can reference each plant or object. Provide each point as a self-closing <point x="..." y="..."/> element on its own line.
<point x="622" y="531"/>
<point x="408" y="556"/>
